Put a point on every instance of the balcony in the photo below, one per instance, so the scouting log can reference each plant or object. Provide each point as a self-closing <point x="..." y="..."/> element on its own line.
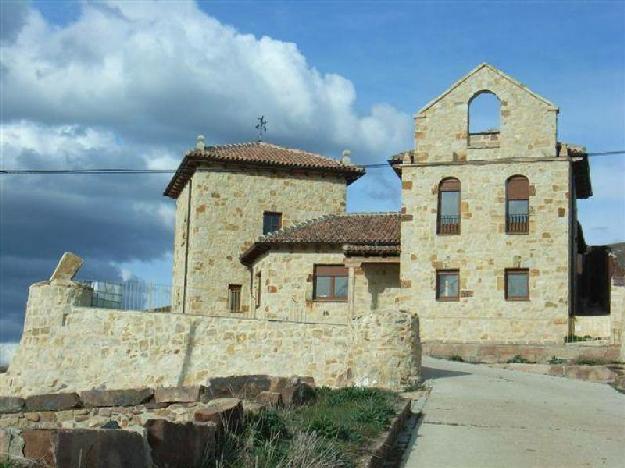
<point x="449" y="225"/>
<point x="517" y="224"/>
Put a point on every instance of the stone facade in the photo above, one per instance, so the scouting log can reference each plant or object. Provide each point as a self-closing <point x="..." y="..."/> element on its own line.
<point x="525" y="145"/>
<point x="220" y="213"/>
<point x="286" y="290"/>
<point x="68" y="347"/>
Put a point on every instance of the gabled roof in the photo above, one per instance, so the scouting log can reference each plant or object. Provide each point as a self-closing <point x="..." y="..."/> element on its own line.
<point x="495" y="70"/>
<point x="258" y="154"/>
<point x="370" y="233"/>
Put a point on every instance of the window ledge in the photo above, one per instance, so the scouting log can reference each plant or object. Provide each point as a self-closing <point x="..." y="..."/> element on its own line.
<point x="517" y="299"/>
<point x="449" y="299"/>
<point x="329" y="300"/>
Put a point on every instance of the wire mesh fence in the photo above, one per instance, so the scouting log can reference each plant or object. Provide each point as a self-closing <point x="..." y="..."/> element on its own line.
<point x="129" y="295"/>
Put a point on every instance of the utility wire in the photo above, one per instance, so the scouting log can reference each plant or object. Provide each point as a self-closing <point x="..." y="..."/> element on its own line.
<point x="171" y="171"/>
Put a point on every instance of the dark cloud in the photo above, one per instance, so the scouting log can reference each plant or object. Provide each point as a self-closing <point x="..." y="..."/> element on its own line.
<point x="13" y="15"/>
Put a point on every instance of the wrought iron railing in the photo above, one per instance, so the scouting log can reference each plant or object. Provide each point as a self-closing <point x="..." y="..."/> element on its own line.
<point x="129" y="295"/>
<point x="517" y="224"/>
<point x="449" y="225"/>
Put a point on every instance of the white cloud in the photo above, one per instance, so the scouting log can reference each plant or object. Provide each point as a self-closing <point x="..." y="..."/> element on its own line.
<point x="168" y="71"/>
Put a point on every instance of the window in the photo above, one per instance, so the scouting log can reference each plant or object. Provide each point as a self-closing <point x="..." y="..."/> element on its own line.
<point x="448" y="217"/>
<point x="259" y="288"/>
<point x="517" y="285"/>
<point x="330" y="283"/>
<point x="447" y="285"/>
<point x="234" y="298"/>
<point x="271" y="222"/>
<point x="484" y="113"/>
<point x="517" y="205"/>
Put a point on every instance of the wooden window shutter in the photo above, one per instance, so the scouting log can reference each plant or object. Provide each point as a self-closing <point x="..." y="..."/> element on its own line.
<point x="449" y="185"/>
<point x="518" y="188"/>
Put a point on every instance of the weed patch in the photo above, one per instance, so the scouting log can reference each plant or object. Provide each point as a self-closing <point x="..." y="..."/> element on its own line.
<point x="333" y="431"/>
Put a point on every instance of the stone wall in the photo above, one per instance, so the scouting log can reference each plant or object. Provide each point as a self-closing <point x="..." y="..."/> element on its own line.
<point x="376" y="287"/>
<point x="596" y="326"/>
<point x="483" y="251"/>
<point x="539" y="353"/>
<point x="66" y="347"/>
<point x="286" y="292"/>
<point x="225" y="215"/>
<point x="287" y="285"/>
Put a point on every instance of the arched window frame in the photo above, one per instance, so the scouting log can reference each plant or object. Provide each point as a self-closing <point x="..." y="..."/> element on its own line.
<point x="448" y="224"/>
<point x="517" y="204"/>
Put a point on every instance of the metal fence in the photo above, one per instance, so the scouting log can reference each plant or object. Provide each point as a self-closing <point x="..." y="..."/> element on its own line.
<point x="129" y="295"/>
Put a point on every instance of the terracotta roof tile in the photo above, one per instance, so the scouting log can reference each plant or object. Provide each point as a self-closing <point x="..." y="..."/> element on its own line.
<point x="258" y="153"/>
<point x="379" y="232"/>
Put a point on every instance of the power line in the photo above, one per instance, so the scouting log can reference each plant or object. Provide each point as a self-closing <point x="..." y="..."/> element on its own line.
<point x="171" y="171"/>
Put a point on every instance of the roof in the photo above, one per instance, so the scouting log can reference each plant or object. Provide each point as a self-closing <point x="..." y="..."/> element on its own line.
<point x="358" y="233"/>
<point x="495" y="70"/>
<point x="258" y="154"/>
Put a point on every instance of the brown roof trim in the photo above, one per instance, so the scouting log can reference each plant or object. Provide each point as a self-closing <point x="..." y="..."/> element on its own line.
<point x="258" y="155"/>
<point x="360" y="233"/>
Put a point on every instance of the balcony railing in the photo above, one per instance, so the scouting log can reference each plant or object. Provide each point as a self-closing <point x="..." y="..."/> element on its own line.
<point x="129" y="295"/>
<point x="449" y="225"/>
<point x="517" y="224"/>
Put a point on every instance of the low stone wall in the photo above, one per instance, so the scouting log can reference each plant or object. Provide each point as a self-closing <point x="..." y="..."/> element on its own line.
<point x="68" y="347"/>
<point x="166" y="426"/>
<point x="502" y="353"/>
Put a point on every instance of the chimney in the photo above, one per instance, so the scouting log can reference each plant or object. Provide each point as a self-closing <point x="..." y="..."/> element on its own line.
<point x="345" y="159"/>
<point x="200" y="142"/>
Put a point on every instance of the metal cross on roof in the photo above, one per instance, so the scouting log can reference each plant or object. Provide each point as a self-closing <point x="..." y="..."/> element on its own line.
<point x="261" y="127"/>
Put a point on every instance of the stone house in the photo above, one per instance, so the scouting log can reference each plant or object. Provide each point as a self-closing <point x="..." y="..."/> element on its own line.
<point x="485" y="249"/>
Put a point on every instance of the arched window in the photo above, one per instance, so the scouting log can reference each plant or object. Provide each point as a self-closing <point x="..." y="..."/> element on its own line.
<point x="517" y="205"/>
<point x="448" y="213"/>
<point x="484" y="112"/>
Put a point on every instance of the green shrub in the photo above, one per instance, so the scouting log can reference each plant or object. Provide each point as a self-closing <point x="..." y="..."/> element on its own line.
<point x="555" y="360"/>
<point x="325" y="426"/>
<point x="518" y="359"/>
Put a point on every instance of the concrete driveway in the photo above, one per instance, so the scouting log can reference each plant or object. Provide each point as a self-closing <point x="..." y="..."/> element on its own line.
<point x="477" y="416"/>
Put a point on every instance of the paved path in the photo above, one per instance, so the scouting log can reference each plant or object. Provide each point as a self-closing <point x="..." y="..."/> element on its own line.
<point x="477" y="416"/>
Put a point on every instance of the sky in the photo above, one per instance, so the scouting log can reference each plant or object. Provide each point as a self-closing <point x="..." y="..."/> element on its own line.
<point x="131" y="84"/>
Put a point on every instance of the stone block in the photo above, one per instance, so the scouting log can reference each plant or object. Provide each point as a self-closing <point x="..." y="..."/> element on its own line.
<point x="590" y="373"/>
<point x="242" y="386"/>
<point x="225" y="412"/>
<point x="101" y="398"/>
<point x="67" y="267"/>
<point x="52" y="402"/>
<point x="270" y="399"/>
<point x="11" y="404"/>
<point x="40" y="445"/>
<point x="298" y="393"/>
<point x="11" y="442"/>
<point x="70" y="448"/>
<point x="186" y="394"/>
<point x="180" y="444"/>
